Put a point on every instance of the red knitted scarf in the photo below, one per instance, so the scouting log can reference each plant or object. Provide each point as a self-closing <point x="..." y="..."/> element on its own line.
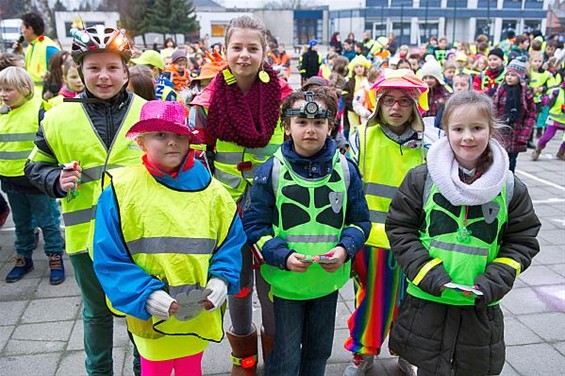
<point x="246" y="120"/>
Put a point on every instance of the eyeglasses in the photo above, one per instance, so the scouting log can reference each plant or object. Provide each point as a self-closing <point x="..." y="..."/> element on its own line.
<point x="390" y="101"/>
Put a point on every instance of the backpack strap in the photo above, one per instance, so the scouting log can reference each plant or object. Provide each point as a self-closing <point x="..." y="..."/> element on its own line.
<point x="345" y="169"/>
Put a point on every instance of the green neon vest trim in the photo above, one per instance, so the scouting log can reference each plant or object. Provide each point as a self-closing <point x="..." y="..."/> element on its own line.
<point x="311" y="217"/>
<point x="229" y="156"/>
<point x="464" y="258"/>
<point x="486" y="79"/>
<point x="17" y="132"/>
<point x="61" y="126"/>
<point x="538" y="79"/>
<point x="383" y="164"/>
<point x="36" y="58"/>
<point x="177" y="250"/>
<point x="556" y="111"/>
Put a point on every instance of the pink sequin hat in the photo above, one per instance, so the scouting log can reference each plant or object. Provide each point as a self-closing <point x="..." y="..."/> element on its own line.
<point x="163" y="116"/>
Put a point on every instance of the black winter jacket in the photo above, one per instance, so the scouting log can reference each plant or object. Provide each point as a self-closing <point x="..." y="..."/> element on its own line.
<point x="469" y="339"/>
<point x="105" y="116"/>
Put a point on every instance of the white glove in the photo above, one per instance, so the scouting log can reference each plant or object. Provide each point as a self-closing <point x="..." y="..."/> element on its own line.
<point x="158" y="304"/>
<point x="219" y="293"/>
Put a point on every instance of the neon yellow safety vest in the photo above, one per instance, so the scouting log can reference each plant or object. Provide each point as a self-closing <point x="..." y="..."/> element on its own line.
<point x="463" y="250"/>
<point x="311" y="217"/>
<point x="538" y="79"/>
<point x="326" y="71"/>
<point x="71" y="136"/>
<point x="36" y="58"/>
<point x="17" y="132"/>
<point x="556" y="111"/>
<point x="235" y="165"/>
<point x="383" y="164"/>
<point x="176" y="251"/>
<point x="487" y="82"/>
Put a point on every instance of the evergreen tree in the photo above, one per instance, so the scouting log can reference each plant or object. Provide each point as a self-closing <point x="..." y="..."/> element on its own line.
<point x="171" y="17"/>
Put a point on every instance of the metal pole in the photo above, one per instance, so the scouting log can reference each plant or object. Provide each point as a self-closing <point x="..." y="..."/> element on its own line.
<point x="454" y="20"/>
<point x="488" y="20"/>
<point x="383" y="16"/>
<point x="401" y="23"/>
<point x="426" y="33"/>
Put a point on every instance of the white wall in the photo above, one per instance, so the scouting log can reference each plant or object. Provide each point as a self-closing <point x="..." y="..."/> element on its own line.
<point x="206" y="19"/>
<point x="280" y="23"/>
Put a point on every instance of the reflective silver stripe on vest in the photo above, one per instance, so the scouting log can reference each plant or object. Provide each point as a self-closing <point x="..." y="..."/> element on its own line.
<point x="377" y="216"/>
<point x="312" y="238"/>
<point x="263" y="153"/>
<point x="200" y="246"/>
<point x="381" y="190"/>
<point x="14" y="155"/>
<point x="459" y="248"/>
<point x="17" y="137"/>
<point x="91" y="174"/>
<point x="228" y="157"/>
<point x="80" y="216"/>
<point x="228" y="179"/>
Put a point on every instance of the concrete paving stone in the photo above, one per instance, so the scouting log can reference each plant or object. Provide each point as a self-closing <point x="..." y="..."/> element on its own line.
<point x="553" y="296"/>
<point x="558" y="268"/>
<point x="216" y="358"/>
<point x="339" y="353"/>
<point x="549" y="211"/>
<point x="347" y="292"/>
<point x="11" y="312"/>
<point x="555" y="237"/>
<point x="535" y="360"/>
<point x="342" y="315"/>
<point x="121" y="338"/>
<point x="549" y="326"/>
<point x="525" y="300"/>
<point x="543" y="242"/>
<point x="550" y="255"/>
<point x="5" y="333"/>
<point x="516" y="333"/>
<point x="36" y="365"/>
<point x="67" y="288"/>
<point x="508" y="371"/>
<point x="537" y="275"/>
<point x="51" y="331"/>
<point x="560" y="346"/>
<point x="72" y="363"/>
<point x="26" y="347"/>
<point x="128" y="362"/>
<point x="76" y="341"/>
<point x="548" y="224"/>
<point x="24" y="289"/>
<point x="51" y="309"/>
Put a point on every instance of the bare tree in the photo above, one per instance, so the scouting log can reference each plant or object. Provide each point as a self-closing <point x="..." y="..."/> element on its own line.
<point x="290" y="4"/>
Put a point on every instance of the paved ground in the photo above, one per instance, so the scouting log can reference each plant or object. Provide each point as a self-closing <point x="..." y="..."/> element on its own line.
<point x="41" y="327"/>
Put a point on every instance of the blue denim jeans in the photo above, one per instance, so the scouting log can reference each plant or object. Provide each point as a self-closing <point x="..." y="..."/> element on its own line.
<point x="29" y="210"/>
<point x="304" y="332"/>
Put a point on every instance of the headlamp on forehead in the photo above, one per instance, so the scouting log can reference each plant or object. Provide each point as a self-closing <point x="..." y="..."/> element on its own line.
<point x="310" y="109"/>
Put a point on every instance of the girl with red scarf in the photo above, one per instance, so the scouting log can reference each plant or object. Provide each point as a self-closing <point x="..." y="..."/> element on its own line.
<point x="238" y="114"/>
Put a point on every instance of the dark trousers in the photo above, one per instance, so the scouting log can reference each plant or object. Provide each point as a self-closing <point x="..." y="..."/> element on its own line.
<point x="304" y="331"/>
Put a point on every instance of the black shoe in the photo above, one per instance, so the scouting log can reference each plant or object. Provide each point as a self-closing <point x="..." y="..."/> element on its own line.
<point x="531" y="145"/>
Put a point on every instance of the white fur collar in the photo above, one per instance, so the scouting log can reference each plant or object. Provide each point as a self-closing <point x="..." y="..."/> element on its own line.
<point x="444" y="170"/>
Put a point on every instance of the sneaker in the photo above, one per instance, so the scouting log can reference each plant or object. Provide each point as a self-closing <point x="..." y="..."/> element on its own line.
<point x="57" y="275"/>
<point x="406" y="367"/>
<point x="531" y="145"/>
<point x="535" y="154"/>
<point x="359" y="365"/>
<point x="23" y="266"/>
<point x="4" y="215"/>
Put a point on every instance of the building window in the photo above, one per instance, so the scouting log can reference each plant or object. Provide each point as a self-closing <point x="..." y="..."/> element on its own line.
<point x="218" y="30"/>
<point x="531" y="25"/>
<point x="483" y="28"/>
<point x="402" y="31"/>
<point x="507" y="25"/>
<point x="427" y="30"/>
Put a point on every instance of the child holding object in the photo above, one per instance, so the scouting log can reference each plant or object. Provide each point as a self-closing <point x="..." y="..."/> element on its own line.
<point x="167" y="245"/>
<point x="462" y="229"/>
<point x="309" y="217"/>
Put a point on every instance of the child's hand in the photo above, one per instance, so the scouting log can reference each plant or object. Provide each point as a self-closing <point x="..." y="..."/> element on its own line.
<point x="70" y="175"/>
<point x="338" y="253"/>
<point x="294" y="264"/>
<point x="173" y="309"/>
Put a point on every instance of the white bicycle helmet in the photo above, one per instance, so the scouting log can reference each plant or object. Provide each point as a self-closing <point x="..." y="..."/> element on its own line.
<point x="99" y="39"/>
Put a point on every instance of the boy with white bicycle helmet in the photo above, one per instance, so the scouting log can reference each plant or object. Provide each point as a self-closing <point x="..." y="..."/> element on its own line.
<point x="74" y="146"/>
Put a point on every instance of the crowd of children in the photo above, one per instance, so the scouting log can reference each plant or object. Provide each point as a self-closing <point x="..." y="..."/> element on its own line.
<point x="289" y="192"/>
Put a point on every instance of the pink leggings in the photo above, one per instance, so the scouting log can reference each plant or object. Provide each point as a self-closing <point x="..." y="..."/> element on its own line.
<point x="189" y="365"/>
